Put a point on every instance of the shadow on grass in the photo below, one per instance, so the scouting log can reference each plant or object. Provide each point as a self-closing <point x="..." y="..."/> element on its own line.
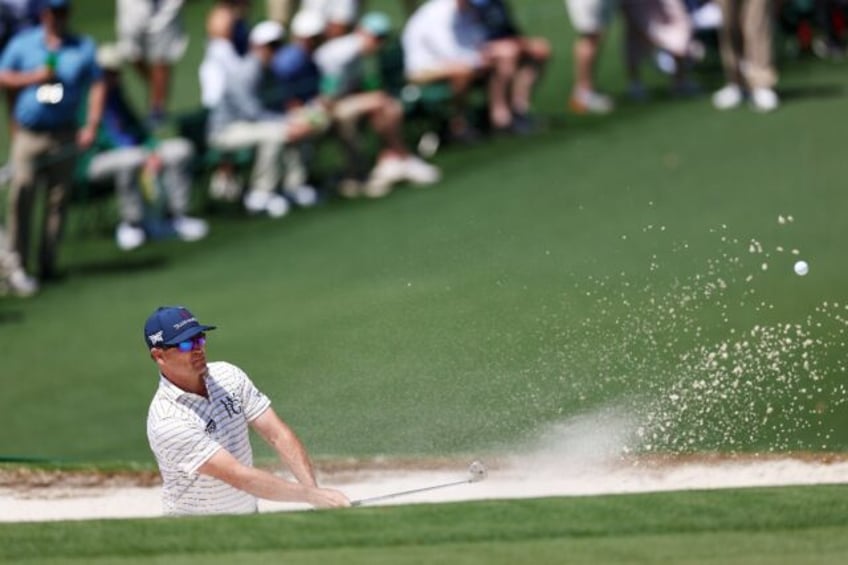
<point x="121" y="266"/>
<point x="9" y="317"/>
<point x="813" y="92"/>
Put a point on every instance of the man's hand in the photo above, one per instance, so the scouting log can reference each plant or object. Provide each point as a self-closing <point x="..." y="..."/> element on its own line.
<point x="262" y="484"/>
<point x="329" y="498"/>
<point x="153" y="164"/>
<point x="86" y="136"/>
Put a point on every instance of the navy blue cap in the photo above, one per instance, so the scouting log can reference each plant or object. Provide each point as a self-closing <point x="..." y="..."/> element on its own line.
<point x="169" y="325"/>
<point x="57" y="4"/>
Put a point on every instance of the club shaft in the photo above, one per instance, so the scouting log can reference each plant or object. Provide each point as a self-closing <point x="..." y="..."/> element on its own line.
<point x="406" y="492"/>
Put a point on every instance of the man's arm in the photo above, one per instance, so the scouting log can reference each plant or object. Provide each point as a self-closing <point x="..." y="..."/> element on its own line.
<point x="287" y="445"/>
<point x="20" y="79"/>
<point x="262" y="484"/>
<point x="96" y="101"/>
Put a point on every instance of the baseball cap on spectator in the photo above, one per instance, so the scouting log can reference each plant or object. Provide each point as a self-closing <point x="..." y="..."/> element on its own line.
<point x="109" y="57"/>
<point x="340" y="12"/>
<point x="57" y="4"/>
<point x="169" y="325"/>
<point x="308" y="23"/>
<point x="267" y="32"/>
<point x="377" y="24"/>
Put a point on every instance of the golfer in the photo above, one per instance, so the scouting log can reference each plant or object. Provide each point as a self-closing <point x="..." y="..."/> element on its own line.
<point x="198" y="429"/>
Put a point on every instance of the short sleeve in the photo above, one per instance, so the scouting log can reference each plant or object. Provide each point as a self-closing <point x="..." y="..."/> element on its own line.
<point x="180" y="445"/>
<point x="253" y="400"/>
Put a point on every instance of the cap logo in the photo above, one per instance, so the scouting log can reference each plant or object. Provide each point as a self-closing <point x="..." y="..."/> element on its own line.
<point x="187" y="321"/>
<point x="155" y="338"/>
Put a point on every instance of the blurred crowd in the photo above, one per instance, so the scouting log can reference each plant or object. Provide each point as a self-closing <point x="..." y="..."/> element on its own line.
<point x="316" y="70"/>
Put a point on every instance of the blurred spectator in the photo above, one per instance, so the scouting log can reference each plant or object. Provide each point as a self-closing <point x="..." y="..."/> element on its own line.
<point x="240" y="32"/>
<point x="590" y="19"/>
<point x="518" y="60"/>
<point x="13" y="279"/>
<point x="15" y="16"/>
<point x="55" y="70"/>
<point x="746" y="55"/>
<point x="151" y="36"/>
<point x="296" y="91"/>
<point x="221" y="59"/>
<point x="340" y="15"/>
<point x="443" y="42"/>
<point x="341" y="62"/>
<point x="239" y="120"/>
<point x="126" y="151"/>
<point x="660" y="24"/>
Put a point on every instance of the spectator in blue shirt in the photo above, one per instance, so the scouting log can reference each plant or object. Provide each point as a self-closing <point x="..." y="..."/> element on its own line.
<point x="54" y="70"/>
<point x="298" y="78"/>
<point x="15" y="16"/>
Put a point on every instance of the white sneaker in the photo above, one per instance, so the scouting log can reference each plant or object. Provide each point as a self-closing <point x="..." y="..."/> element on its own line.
<point x="304" y="195"/>
<point x="129" y="237"/>
<point x="417" y="171"/>
<point x="429" y="143"/>
<point x="728" y="97"/>
<point x="764" y="100"/>
<point x="376" y="189"/>
<point x="22" y="284"/>
<point x="277" y="206"/>
<point x="273" y="204"/>
<point x="255" y="202"/>
<point x="388" y="172"/>
<point x="190" y="229"/>
<point x="590" y="102"/>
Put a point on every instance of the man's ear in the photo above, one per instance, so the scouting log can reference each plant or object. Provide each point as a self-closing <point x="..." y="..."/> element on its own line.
<point x="157" y="354"/>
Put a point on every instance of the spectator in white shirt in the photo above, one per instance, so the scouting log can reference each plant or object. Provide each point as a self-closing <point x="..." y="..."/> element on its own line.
<point x="443" y="41"/>
<point x="341" y="63"/>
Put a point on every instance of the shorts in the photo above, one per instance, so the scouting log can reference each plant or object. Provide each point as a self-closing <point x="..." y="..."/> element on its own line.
<point x="590" y="16"/>
<point x="145" y="36"/>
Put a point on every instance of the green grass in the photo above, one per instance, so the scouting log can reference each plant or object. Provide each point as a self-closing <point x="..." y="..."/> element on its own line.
<point x="575" y="272"/>
<point x="790" y="525"/>
<point x="599" y="269"/>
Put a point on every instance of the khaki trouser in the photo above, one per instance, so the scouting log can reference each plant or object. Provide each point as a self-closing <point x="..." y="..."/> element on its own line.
<point x="281" y="11"/>
<point x="746" y="42"/>
<point x="51" y="156"/>
<point x="273" y="154"/>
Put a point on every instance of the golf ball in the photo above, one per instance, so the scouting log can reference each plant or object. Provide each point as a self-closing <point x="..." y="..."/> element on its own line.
<point x="801" y="268"/>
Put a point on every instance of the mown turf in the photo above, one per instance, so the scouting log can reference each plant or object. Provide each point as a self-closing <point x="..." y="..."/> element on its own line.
<point x="790" y="525"/>
<point x="545" y="278"/>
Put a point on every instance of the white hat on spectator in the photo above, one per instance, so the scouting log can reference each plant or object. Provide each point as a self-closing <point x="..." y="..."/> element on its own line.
<point x="307" y="23"/>
<point x="266" y="32"/>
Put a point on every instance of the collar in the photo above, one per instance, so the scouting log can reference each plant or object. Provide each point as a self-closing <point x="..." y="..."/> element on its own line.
<point x="173" y="392"/>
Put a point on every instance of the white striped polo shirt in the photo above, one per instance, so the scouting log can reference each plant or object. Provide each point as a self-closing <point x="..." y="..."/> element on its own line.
<point x="185" y="430"/>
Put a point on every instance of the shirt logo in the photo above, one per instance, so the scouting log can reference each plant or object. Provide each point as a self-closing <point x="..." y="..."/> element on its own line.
<point x="231" y="405"/>
<point x="211" y="426"/>
<point x="156" y="338"/>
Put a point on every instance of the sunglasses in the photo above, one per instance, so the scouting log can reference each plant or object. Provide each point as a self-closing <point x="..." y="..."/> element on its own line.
<point x="197" y="342"/>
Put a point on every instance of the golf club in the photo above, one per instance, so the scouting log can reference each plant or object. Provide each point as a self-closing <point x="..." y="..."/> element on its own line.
<point x="476" y="471"/>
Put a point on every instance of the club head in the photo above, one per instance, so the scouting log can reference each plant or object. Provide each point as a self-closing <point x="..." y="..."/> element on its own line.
<point x="477" y="471"/>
